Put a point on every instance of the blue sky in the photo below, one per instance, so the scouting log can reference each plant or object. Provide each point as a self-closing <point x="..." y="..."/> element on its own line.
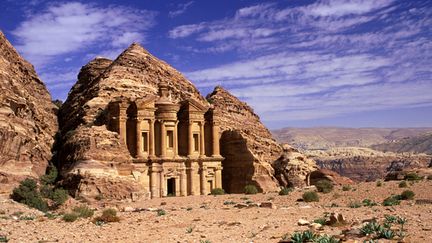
<point x="297" y="63"/>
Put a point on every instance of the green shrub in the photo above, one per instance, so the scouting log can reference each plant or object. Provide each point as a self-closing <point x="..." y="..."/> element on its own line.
<point x="412" y="176"/>
<point x="324" y="186"/>
<point x="310" y="196"/>
<point x="3" y="238"/>
<point x="407" y="195"/>
<point x="59" y="196"/>
<point x="403" y="184"/>
<point x="379" y="183"/>
<point x="229" y="202"/>
<point x="346" y="188"/>
<point x="250" y="189"/>
<point x="321" y="221"/>
<point x="28" y="194"/>
<point x="391" y="201"/>
<point x="285" y="191"/>
<point x="161" y="212"/>
<point x="50" y="177"/>
<point x="70" y="217"/>
<point x="83" y="211"/>
<point x="369" y="203"/>
<point x="217" y="191"/>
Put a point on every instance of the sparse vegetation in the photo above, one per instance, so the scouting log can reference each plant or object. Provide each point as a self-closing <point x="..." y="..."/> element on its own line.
<point x="346" y="188"/>
<point x="355" y="204"/>
<point x="391" y="201"/>
<point x="369" y="203"/>
<point x="412" y="176"/>
<point x="403" y="184"/>
<point x="309" y="236"/>
<point x="250" y="189"/>
<point x="407" y="195"/>
<point x="217" y="191"/>
<point x="3" y="238"/>
<point x="229" y="202"/>
<point x="379" y="183"/>
<point x="285" y="191"/>
<point x="108" y="216"/>
<point x="189" y="230"/>
<point x="161" y="212"/>
<point x="386" y="230"/>
<point x="70" y="217"/>
<point x="310" y="196"/>
<point x="28" y="194"/>
<point x="324" y="186"/>
<point x="83" y="211"/>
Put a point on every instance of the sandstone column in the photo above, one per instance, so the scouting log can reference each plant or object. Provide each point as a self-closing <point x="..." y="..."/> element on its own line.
<point x="202" y="141"/>
<point x="218" y="177"/>
<point x="139" y="139"/>
<point x="203" y="179"/>
<point x="175" y="149"/>
<point x="190" y="139"/>
<point x="163" y="140"/>
<point x="122" y="125"/>
<point x="183" y="186"/>
<point x="162" y="184"/>
<point x="215" y="136"/>
<point x="152" y="140"/>
<point x="192" y="182"/>
<point x="153" y="182"/>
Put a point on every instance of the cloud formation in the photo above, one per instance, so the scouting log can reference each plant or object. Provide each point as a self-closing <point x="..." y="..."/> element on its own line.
<point x="74" y="26"/>
<point x="320" y="60"/>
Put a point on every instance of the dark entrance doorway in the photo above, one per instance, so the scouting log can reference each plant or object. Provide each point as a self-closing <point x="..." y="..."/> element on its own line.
<point x="171" y="187"/>
<point x="237" y="166"/>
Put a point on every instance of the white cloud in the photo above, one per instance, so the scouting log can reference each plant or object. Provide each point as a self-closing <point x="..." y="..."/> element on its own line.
<point x="74" y="26"/>
<point x="320" y="60"/>
<point x="181" y="9"/>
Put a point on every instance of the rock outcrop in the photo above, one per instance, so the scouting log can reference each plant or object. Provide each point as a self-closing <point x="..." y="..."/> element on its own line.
<point x="416" y="144"/>
<point x="93" y="157"/>
<point x="28" y="121"/>
<point x="90" y="151"/>
<point x="293" y="168"/>
<point x="246" y="144"/>
<point x="363" y="164"/>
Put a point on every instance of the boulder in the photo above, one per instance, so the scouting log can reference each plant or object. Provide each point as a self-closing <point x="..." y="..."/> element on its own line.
<point x="292" y="168"/>
<point x="28" y="120"/>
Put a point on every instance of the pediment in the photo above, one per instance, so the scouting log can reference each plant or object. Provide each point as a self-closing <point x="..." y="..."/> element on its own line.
<point x="146" y="102"/>
<point x="193" y="105"/>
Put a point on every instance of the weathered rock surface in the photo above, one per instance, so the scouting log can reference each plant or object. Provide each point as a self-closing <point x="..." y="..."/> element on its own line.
<point x="292" y="168"/>
<point x="363" y="164"/>
<point x="246" y="144"/>
<point x="331" y="137"/>
<point x="332" y="176"/>
<point x="416" y="144"/>
<point x="89" y="149"/>
<point x="27" y="119"/>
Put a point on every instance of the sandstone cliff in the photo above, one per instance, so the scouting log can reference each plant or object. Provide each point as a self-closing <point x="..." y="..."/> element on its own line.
<point x="89" y="149"/>
<point x="27" y="119"/>
<point x="363" y="164"/>
<point x="247" y="145"/>
<point x="293" y="168"/>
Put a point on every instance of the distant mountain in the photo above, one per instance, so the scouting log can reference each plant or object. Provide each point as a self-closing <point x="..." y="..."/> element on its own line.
<point x="331" y="137"/>
<point x="417" y="144"/>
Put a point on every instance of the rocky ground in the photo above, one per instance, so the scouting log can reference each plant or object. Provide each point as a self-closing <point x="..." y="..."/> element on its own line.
<point x="201" y="218"/>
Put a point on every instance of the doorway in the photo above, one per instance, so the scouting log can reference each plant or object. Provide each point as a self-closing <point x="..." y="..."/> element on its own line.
<point x="171" y="187"/>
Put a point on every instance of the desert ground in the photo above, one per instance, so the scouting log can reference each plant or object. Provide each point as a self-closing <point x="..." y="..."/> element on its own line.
<point x="213" y="219"/>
